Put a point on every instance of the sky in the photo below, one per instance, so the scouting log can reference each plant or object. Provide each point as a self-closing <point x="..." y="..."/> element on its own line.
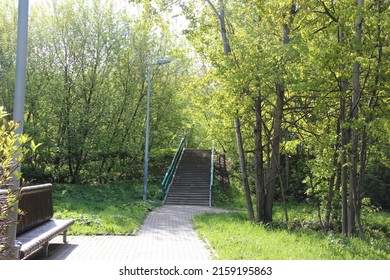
<point x="178" y="21"/>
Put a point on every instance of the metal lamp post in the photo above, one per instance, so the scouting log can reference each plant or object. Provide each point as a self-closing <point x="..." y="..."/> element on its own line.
<point x="146" y="160"/>
<point x="18" y="114"/>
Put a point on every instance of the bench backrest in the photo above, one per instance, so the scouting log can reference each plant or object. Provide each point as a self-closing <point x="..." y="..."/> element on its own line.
<point x="36" y="202"/>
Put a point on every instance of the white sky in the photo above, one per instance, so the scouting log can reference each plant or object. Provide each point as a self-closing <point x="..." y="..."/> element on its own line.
<point x="178" y="23"/>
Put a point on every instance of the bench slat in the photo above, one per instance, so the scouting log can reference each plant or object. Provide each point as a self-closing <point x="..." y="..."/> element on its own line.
<point x="36" y="202"/>
<point x="41" y="235"/>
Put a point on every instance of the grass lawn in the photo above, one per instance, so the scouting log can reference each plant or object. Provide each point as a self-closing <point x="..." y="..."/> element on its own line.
<point x="233" y="237"/>
<point x="115" y="208"/>
<point x="118" y="209"/>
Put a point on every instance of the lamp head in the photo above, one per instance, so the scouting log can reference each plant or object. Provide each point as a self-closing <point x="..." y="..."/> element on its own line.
<point x="163" y="61"/>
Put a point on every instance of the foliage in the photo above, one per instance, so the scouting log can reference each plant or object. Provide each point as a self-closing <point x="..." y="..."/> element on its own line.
<point x="230" y="198"/>
<point x="14" y="148"/>
<point x="86" y="87"/>
<point x="7" y="202"/>
<point x="311" y="51"/>
<point x="112" y="209"/>
<point x="377" y="184"/>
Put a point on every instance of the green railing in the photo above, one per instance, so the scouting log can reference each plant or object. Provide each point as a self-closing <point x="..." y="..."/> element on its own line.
<point x="167" y="181"/>
<point x="211" y="175"/>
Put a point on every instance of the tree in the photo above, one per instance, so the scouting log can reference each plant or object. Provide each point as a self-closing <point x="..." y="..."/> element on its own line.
<point x="237" y="69"/>
<point x="8" y="19"/>
<point x="287" y="71"/>
<point x="86" y="89"/>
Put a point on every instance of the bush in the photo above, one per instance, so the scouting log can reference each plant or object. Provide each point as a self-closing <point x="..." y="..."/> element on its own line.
<point x="11" y="156"/>
<point x="377" y="184"/>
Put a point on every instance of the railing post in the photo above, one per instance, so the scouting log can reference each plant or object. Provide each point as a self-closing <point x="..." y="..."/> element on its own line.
<point x="166" y="182"/>
<point x="211" y="175"/>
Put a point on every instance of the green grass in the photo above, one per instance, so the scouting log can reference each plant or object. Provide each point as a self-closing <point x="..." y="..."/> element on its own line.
<point x="118" y="209"/>
<point x="104" y="209"/>
<point x="233" y="237"/>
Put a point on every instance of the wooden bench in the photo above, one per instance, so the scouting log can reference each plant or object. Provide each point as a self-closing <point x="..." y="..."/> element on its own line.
<point x="36" y="225"/>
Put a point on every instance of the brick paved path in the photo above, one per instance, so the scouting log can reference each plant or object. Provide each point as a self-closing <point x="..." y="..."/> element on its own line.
<point x="167" y="234"/>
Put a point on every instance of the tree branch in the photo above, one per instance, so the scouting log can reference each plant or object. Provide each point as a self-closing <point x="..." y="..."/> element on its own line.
<point x="322" y="28"/>
<point x="328" y="12"/>
<point x="214" y="9"/>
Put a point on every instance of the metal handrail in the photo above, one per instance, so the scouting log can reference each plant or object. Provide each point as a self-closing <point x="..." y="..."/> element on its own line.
<point x="211" y="175"/>
<point x="168" y="178"/>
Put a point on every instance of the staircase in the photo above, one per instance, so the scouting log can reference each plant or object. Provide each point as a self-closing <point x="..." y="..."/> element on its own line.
<point x="191" y="185"/>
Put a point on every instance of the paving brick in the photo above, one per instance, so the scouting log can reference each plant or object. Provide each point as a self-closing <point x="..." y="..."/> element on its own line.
<point x="167" y="234"/>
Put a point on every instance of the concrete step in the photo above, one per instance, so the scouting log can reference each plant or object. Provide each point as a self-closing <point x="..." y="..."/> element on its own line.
<point x="191" y="185"/>
<point x="188" y="191"/>
<point x="188" y="202"/>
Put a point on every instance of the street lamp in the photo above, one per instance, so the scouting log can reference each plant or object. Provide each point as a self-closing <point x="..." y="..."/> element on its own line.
<point x="146" y="160"/>
<point x="18" y="113"/>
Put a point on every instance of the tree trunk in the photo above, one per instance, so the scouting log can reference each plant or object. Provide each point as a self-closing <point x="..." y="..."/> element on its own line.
<point x="353" y="152"/>
<point x="373" y="101"/>
<point x="227" y="50"/>
<point x="245" y="181"/>
<point x="344" y="171"/>
<point x="331" y="182"/>
<point x="329" y="200"/>
<point x="226" y="45"/>
<point x="274" y="164"/>
<point x="343" y="85"/>
<point x="259" y="165"/>
<point x="337" y="189"/>
<point x="354" y="214"/>
<point x="221" y="17"/>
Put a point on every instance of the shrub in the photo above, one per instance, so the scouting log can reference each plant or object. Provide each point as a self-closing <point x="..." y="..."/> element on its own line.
<point x="11" y="156"/>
